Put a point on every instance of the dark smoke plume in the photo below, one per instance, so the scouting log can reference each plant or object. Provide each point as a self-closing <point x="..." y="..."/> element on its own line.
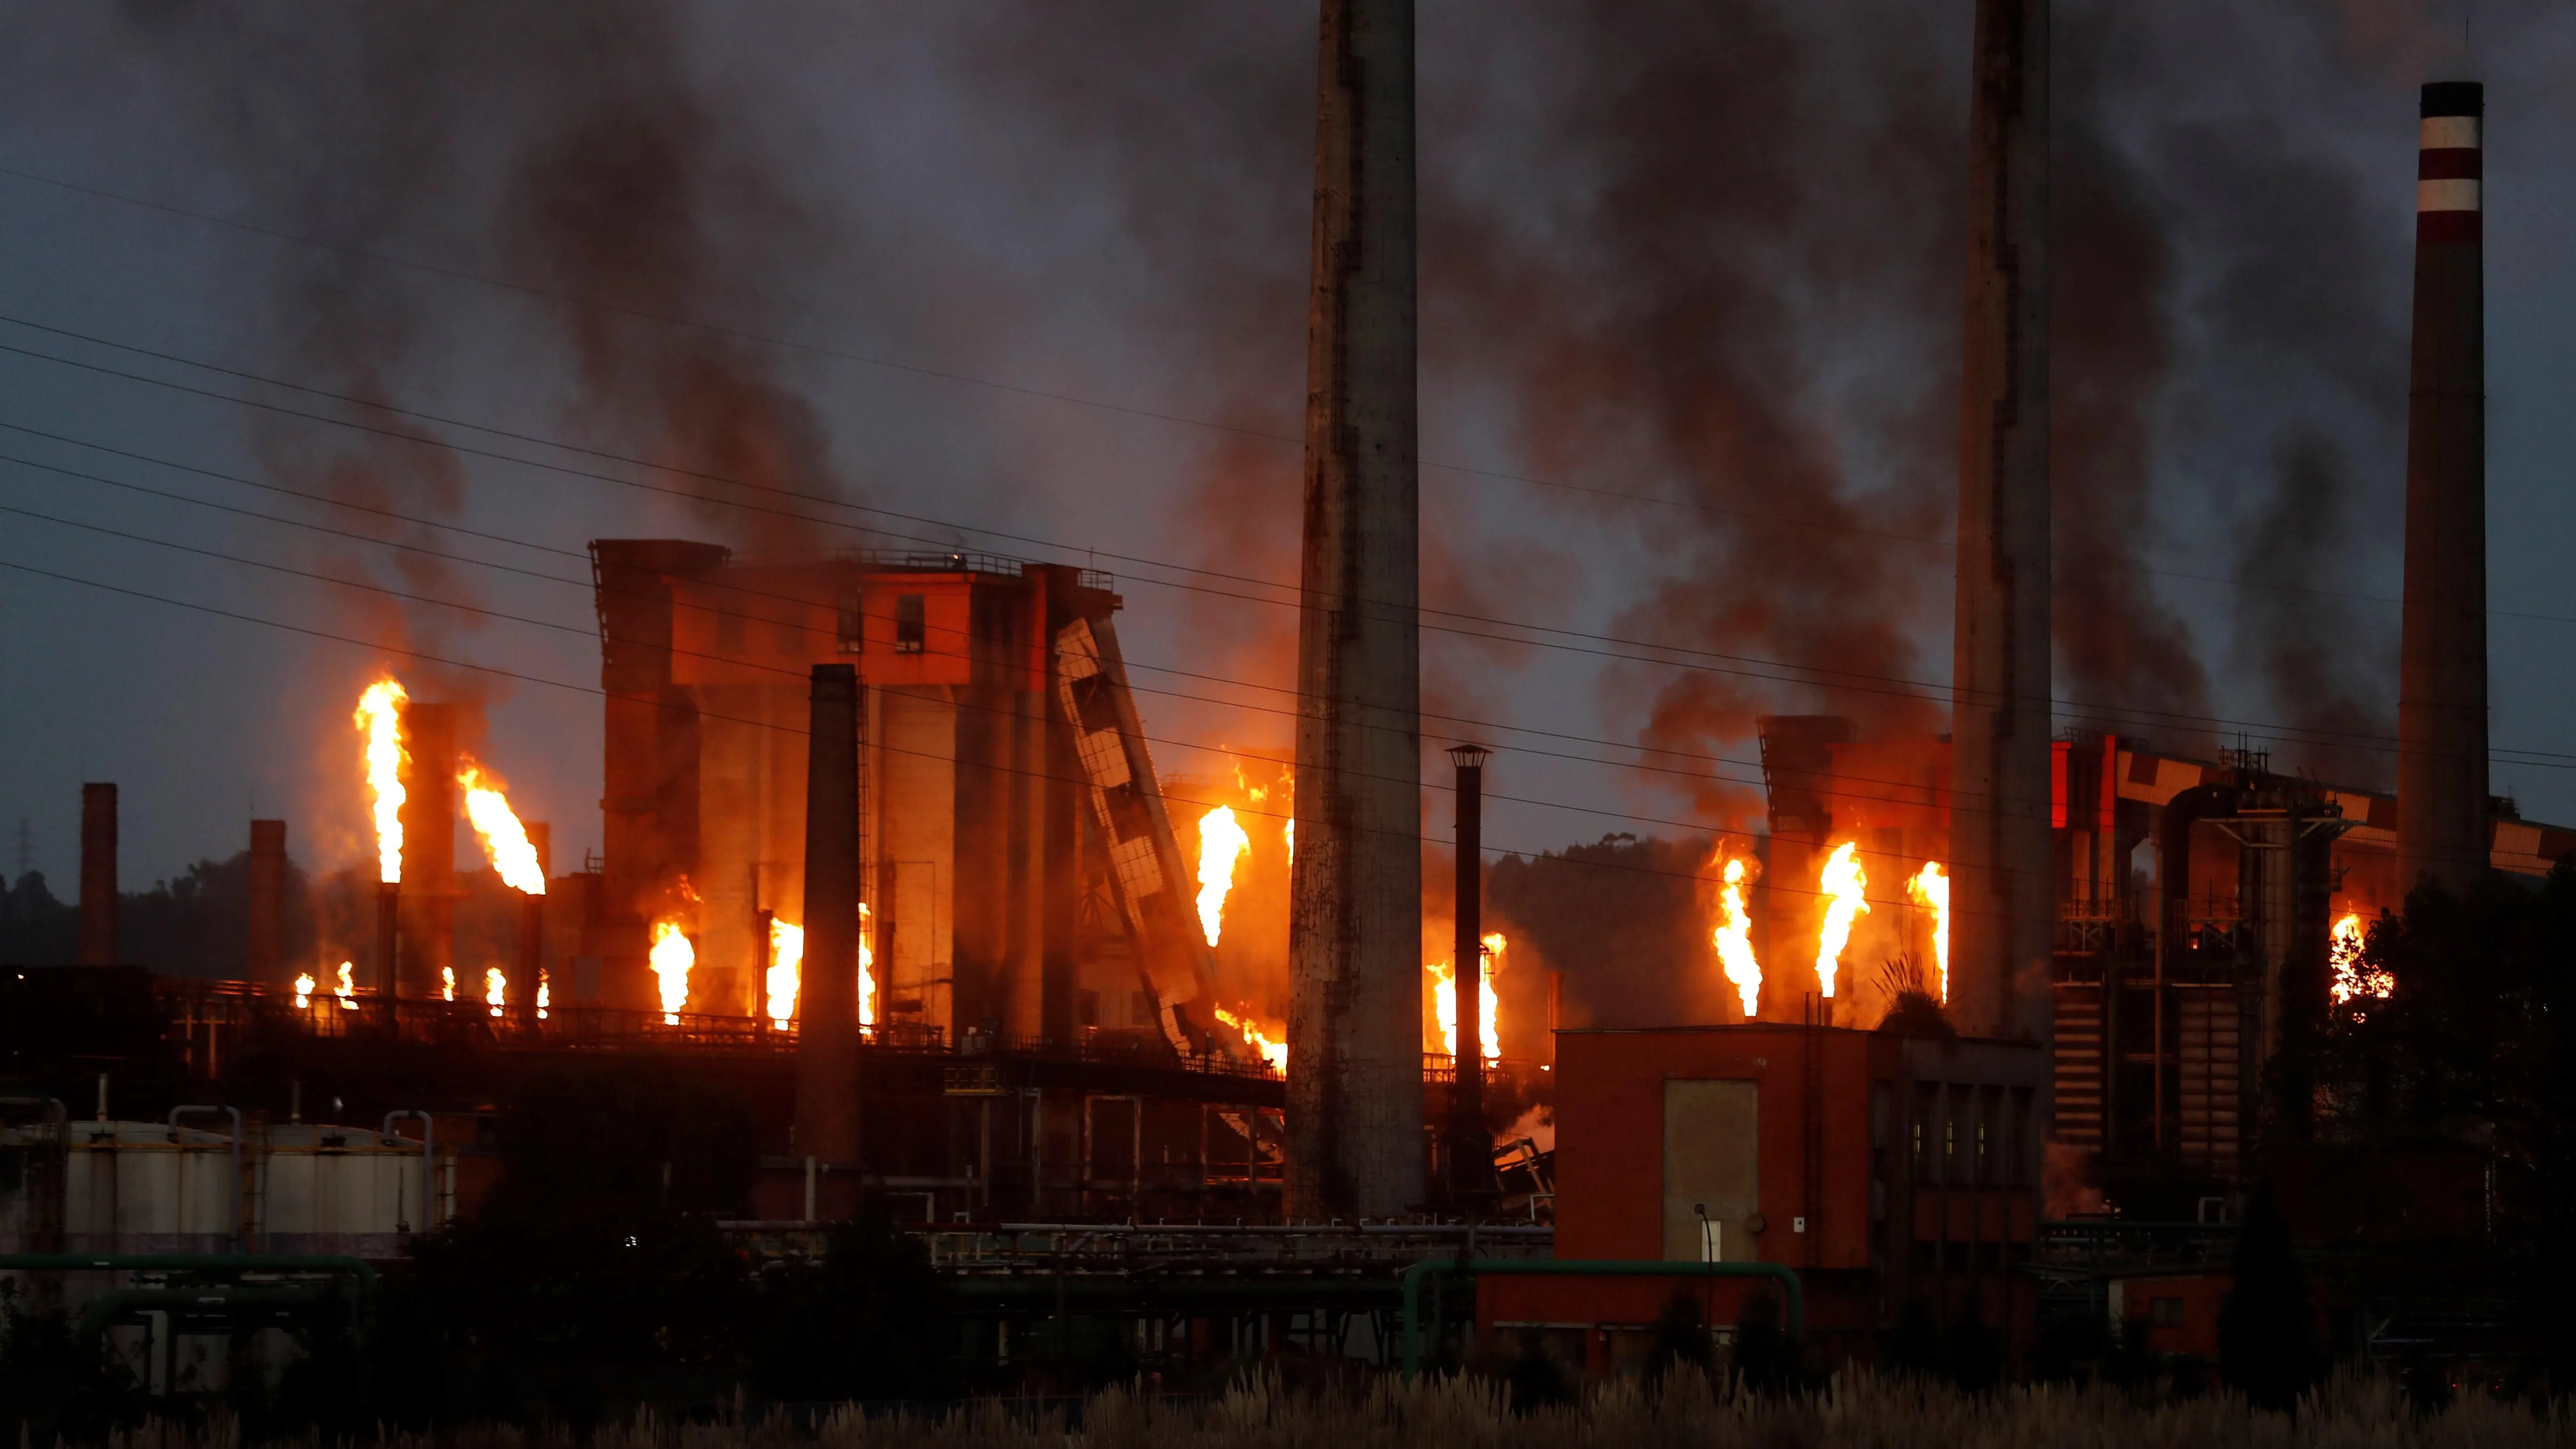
<point x="2298" y="629"/>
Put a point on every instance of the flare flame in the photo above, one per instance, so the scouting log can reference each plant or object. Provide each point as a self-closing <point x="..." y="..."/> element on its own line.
<point x="1444" y="1004"/>
<point x="1734" y="937"/>
<point x="786" y="967"/>
<point x="505" y="840"/>
<point x="1930" y="889"/>
<point x="496" y="989"/>
<point x="1272" y="1050"/>
<point x="379" y="719"/>
<point x="1222" y="845"/>
<point x="671" y="957"/>
<point x="1842" y="884"/>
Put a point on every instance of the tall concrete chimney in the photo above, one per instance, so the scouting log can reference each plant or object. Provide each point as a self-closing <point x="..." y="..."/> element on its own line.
<point x="2002" y="910"/>
<point x="429" y="847"/>
<point x="265" y="958"/>
<point x="98" y="875"/>
<point x="1355" y="920"/>
<point x="528" y="966"/>
<point x="2442" y="668"/>
<point x="827" y="998"/>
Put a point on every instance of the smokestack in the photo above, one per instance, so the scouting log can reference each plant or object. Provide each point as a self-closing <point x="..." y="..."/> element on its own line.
<point x="1355" y="920"/>
<point x="267" y="945"/>
<point x="388" y="956"/>
<point x="528" y="970"/>
<point x="1471" y="1156"/>
<point x="2442" y="679"/>
<point x="429" y="843"/>
<point x="2002" y="909"/>
<point x="827" y="999"/>
<point x="98" y="875"/>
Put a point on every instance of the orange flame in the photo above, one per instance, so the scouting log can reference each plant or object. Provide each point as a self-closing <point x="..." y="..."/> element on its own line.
<point x="304" y="989"/>
<point x="867" y="972"/>
<point x="447" y="983"/>
<point x="1930" y="889"/>
<point x="786" y="965"/>
<point x="505" y="840"/>
<point x="545" y="996"/>
<point x="347" y="990"/>
<point x="1272" y="1050"/>
<point x="1222" y="843"/>
<point x="496" y="989"/>
<point x="379" y="719"/>
<point x="1734" y="937"/>
<point x="1841" y="883"/>
<point x="671" y="957"/>
<point x="1444" y="1003"/>
<point x="2355" y="978"/>
<point x="786" y="974"/>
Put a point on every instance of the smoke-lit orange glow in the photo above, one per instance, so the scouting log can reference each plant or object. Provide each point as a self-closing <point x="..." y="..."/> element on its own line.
<point x="380" y="721"/>
<point x="1930" y="889"/>
<point x="505" y="840"/>
<point x="672" y="956"/>
<point x="304" y="988"/>
<point x="447" y="983"/>
<point x="496" y="989"/>
<point x="2354" y="978"/>
<point x="1734" y="936"/>
<point x="1444" y="1005"/>
<point x="1842" y="884"/>
<point x="347" y="990"/>
<point x="1273" y="1050"/>
<point x="1222" y="844"/>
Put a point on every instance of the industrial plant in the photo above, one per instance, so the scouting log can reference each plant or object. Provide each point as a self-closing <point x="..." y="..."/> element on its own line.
<point x="2019" y="1018"/>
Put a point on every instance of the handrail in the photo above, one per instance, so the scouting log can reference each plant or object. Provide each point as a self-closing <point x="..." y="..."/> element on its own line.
<point x="226" y="1263"/>
<point x="1795" y="1292"/>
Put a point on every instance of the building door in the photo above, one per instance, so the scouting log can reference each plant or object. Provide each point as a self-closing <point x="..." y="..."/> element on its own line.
<point x="1712" y="1170"/>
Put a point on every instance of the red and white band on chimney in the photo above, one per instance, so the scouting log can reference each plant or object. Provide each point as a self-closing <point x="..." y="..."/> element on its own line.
<point x="2449" y="170"/>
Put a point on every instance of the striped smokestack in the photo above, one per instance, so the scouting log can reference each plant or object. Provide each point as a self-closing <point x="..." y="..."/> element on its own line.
<point x="1355" y="890"/>
<point x="2442" y="681"/>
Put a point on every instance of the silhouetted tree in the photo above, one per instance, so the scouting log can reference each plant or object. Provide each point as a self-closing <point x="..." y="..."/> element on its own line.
<point x="2265" y="1349"/>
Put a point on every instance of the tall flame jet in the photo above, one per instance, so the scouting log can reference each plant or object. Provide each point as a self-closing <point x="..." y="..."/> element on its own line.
<point x="1842" y="884"/>
<point x="1734" y="936"/>
<point x="505" y="840"/>
<point x="1930" y="889"/>
<point x="1222" y="845"/>
<point x="380" y="720"/>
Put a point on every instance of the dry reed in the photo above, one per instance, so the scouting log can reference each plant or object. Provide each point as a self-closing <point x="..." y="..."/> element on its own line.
<point x="1858" y="1411"/>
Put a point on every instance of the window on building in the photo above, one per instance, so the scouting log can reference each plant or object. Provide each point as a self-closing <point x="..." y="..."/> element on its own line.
<point x="2165" y="1312"/>
<point x="854" y="626"/>
<point x="911" y="625"/>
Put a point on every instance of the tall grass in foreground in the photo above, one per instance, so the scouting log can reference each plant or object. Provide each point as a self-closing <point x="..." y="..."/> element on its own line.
<point x="1472" y="1413"/>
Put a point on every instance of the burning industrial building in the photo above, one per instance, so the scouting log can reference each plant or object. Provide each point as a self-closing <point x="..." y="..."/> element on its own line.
<point x="1923" y="1019"/>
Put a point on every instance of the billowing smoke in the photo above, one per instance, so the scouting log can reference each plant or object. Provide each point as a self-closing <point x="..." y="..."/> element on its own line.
<point x="2299" y="631"/>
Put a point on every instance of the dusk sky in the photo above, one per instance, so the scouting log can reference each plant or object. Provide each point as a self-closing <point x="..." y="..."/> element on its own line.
<point x="1030" y="280"/>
